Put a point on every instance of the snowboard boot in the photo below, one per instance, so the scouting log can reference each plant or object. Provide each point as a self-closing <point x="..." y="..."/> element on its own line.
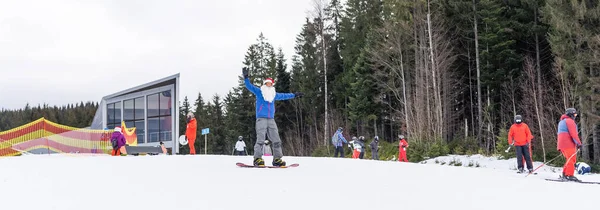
<point x="259" y="162"/>
<point x="278" y="162"/>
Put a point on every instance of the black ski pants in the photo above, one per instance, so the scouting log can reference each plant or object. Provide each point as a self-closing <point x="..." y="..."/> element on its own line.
<point x="523" y="152"/>
<point x="339" y="149"/>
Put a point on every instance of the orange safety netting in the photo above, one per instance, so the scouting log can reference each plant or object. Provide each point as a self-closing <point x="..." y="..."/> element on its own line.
<point x="45" y="137"/>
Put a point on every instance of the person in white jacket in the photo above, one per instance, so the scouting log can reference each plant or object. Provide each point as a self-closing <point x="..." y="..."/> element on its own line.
<point x="240" y="146"/>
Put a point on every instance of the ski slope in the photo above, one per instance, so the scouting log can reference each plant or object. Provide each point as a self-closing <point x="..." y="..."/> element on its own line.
<point x="214" y="182"/>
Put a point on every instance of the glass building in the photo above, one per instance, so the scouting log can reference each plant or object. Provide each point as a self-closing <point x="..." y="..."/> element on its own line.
<point x="151" y="108"/>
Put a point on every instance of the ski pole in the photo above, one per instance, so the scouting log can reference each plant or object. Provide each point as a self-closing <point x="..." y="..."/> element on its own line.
<point x="552" y="160"/>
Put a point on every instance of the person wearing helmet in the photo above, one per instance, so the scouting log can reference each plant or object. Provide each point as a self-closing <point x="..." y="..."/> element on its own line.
<point x="375" y="148"/>
<point x="520" y="136"/>
<point x="356" y="146"/>
<point x="568" y="143"/>
<point x="402" y="146"/>
<point x="338" y="141"/>
<point x="118" y="142"/>
<point x="265" y="118"/>
<point x="240" y="146"/>
<point x="361" y="143"/>
<point x="190" y="132"/>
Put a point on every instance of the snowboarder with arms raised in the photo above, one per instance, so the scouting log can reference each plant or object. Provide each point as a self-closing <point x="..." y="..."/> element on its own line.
<point x="265" y="114"/>
<point x="568" y="142"/>
<point x="520" y="136"/>
<point x="402" y="145"/>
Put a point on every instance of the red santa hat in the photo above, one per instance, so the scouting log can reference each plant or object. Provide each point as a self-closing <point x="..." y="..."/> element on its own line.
<point x="269" y="80"/>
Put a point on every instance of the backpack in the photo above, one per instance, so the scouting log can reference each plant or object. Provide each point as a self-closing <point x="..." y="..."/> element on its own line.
<point x="335" y="139"/>
<point x="114" y="142"/>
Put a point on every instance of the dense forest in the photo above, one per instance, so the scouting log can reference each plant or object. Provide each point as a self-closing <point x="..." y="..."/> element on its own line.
<point x="450" y="75"/>
<point x="78" y="115"/>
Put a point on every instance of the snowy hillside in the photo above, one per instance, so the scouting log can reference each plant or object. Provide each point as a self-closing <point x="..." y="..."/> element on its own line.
<point x="214" y="182"/>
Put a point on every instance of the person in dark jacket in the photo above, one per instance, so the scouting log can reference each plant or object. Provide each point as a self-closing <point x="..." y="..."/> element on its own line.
<point x="361" y="142"/>
<point x="265" y="114"/>
<point x="120" y="140"/>
<point x="375" y="148"/>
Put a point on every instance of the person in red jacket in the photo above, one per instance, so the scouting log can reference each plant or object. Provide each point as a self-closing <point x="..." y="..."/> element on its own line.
<point x="568" y="142"/>
<point x="520" y="136"/>
<point x="190" y="132"/>
<point x="402" y="145"/>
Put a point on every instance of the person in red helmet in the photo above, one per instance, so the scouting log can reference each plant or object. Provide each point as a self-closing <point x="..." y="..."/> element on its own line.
<point x="402" y="145"/>
<point x="568" y="143"/>
<point x="520" y="136"/>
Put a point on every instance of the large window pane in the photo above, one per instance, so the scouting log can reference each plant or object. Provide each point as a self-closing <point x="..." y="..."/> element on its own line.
<point x="165" y="103"/>
<point x="153" y="105"/>
<point x="153" y="129"/>
<point x="140" y="130"/>
<point x="165" y="128"/>
<point x="117" y="113"/>
<point x="128" y="109"/>
<point x="110" y="114"/>
<point x="139" y="108"/>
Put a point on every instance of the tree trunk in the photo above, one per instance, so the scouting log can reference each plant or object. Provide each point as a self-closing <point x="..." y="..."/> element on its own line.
<point x="479" y="108"/>
<point x="596" y="143"/>
<point x="538" y="103"/>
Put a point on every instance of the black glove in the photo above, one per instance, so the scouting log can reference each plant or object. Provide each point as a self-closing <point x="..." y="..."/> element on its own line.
<point x="245" y="72"/>
<point x="299" y="95"/>
<point x="579" y="146"/>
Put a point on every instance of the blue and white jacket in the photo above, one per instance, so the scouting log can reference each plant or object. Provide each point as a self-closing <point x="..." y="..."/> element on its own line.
<point x="264" y="109"/>
<point x="335" y="139"/>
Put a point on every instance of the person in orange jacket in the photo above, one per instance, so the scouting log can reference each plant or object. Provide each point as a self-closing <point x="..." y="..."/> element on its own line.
<point x="568" y="143"/>
<point x="190" y="132"/>
<point x="402" y="145"/>
<point x="520" y="136"/>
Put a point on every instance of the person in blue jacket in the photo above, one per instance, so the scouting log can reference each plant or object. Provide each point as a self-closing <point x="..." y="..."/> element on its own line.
<point x="338" y="141"/>
<point x="265" y="114"/>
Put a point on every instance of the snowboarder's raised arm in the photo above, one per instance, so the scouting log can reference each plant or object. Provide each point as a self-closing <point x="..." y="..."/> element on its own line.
<point x="287" y="96"/>
<point x="255" y="90"/>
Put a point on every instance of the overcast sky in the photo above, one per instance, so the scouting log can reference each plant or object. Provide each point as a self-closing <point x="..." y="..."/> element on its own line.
<point x="59" y="52"/>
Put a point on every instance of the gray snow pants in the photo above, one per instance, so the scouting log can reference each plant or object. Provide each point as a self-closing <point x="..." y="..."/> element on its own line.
<point x="268" y="127"/>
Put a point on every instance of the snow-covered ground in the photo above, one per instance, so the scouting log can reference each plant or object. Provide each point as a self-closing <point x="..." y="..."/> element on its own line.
<point x="214" y="182"/>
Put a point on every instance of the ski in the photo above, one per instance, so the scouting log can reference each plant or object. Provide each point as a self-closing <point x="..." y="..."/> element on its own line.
<point x="562" y="180"/>
<point x="243" y="165"/>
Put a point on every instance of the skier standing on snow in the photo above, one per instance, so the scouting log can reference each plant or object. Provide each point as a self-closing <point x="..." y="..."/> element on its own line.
<point x="190" y="132"/>
<point x="338" y="141"/>
<point x="568" y="142"/>
<point x="402" y="145"/>
<point x="355" y="146"/>
<point x="520" y="136"/>
<point x="363" y="149"/>
<point x="265" y="114"/>
<point x="240" y="146"/>
<point x="374" y="148"/>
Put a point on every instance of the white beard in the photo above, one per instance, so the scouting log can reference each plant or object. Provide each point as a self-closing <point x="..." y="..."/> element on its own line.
<point x="268" y="93"/>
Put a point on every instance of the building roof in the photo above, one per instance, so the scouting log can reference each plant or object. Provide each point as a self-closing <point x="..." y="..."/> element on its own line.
<point x="157" y="83"/>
